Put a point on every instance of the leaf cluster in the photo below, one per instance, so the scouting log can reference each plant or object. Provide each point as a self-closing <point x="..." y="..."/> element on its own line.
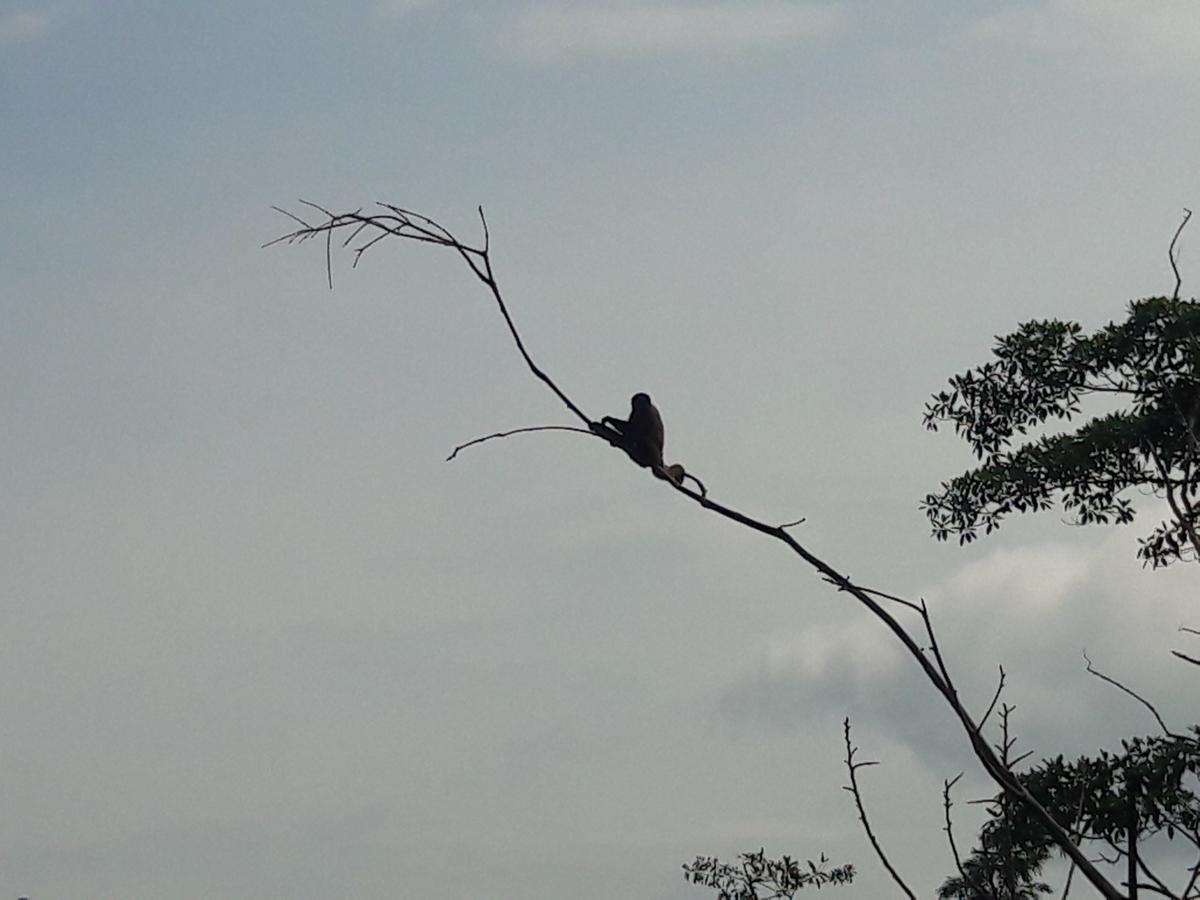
<point x="1149" y="364"/>
<point x="757" y="877"/>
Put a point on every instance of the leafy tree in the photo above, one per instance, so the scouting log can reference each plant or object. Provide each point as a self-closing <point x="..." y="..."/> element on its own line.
<point x="1149" y="363"/>
<point x="1112" y="802"/>
<point x="758" y="877"/>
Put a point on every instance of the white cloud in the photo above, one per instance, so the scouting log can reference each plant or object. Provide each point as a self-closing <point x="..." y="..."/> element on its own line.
<point x="1162" y="37"/>
<point x="19" y="26"/>
<point x="1032" y="609"/>
<point x="550" y="33"/>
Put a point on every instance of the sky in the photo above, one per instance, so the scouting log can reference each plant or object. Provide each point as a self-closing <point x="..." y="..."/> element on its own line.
<point x="259" y="639"/>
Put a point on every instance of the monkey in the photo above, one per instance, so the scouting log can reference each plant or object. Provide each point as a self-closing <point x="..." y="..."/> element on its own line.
<point x="643" y="432"/>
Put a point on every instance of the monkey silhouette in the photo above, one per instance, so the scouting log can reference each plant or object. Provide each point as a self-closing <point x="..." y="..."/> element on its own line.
<point x="643" y="432"/>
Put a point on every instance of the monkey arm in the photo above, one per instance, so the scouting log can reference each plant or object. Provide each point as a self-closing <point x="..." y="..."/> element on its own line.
<point x="620" y="426"/>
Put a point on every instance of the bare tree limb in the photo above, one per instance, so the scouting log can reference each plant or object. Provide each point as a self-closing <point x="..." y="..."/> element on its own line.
<point x="411" y="226"/>
<point x="852" y="767"/>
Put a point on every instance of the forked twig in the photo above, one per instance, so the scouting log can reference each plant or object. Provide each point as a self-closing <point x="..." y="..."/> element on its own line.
<point x="852" y="767"/>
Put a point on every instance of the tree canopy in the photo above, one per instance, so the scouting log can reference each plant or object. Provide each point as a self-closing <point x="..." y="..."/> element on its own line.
<point x="1148" y="364"/>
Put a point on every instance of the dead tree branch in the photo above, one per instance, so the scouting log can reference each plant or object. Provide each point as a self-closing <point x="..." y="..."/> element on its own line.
<point x="407" y="225"/>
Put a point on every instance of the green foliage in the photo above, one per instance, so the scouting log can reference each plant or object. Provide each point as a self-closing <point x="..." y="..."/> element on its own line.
<point x="756" y="877"/>
<point x="1090" y="798"/>
<point x="1149" y="363"/>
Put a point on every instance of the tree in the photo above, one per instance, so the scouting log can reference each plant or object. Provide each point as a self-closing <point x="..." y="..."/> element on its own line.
<point x="1111" y="802"/>
<point x="1150" y="363"/>
<point x="364" y="231"/>
<point x="755" y="876"/>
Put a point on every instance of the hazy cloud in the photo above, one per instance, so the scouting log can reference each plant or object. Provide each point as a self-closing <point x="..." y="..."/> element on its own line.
<point x="1031" y="609"/>
<point x="550" y="33"/>
<point x="1103" y="35"/>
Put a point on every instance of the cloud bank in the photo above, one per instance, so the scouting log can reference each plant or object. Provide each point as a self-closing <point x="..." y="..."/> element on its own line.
<point x="1033" y="610"/>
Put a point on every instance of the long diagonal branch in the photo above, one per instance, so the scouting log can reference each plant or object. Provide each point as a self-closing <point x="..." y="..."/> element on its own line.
<point x="407" y="225"/>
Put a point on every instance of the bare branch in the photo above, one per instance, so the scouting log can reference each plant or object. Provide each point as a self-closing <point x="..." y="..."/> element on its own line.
<point x="995" y="698"/>
<point x="1173" y="256"/>
<point x="412" y="226"/>
<point x="937" y="655"/>
<point x="852" y="767"/>
<point x="1092" y="670"/>
<point x="891" y="597"/>
<point x="947" y="785"/>
<point x="504" y="434"/>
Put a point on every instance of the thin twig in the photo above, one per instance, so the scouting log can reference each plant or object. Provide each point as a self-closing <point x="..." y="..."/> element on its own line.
<point x="949" y="829"/>
<point x="1092" y="670"/>
<point x="853" y="767"/>
<point x="1006" y="744"/>
<point x="504" y="434"/>
<point x="941" y="663"/>
<point x="892" y="597"/>
<point x="1173" y="257"/>
<point x="995" y="697"/>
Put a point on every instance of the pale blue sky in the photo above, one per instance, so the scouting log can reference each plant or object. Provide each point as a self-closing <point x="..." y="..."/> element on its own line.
<point x="260" y="641"/>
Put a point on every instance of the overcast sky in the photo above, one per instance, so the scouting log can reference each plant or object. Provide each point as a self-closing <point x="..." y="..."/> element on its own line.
<point x="258" y="640"/>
